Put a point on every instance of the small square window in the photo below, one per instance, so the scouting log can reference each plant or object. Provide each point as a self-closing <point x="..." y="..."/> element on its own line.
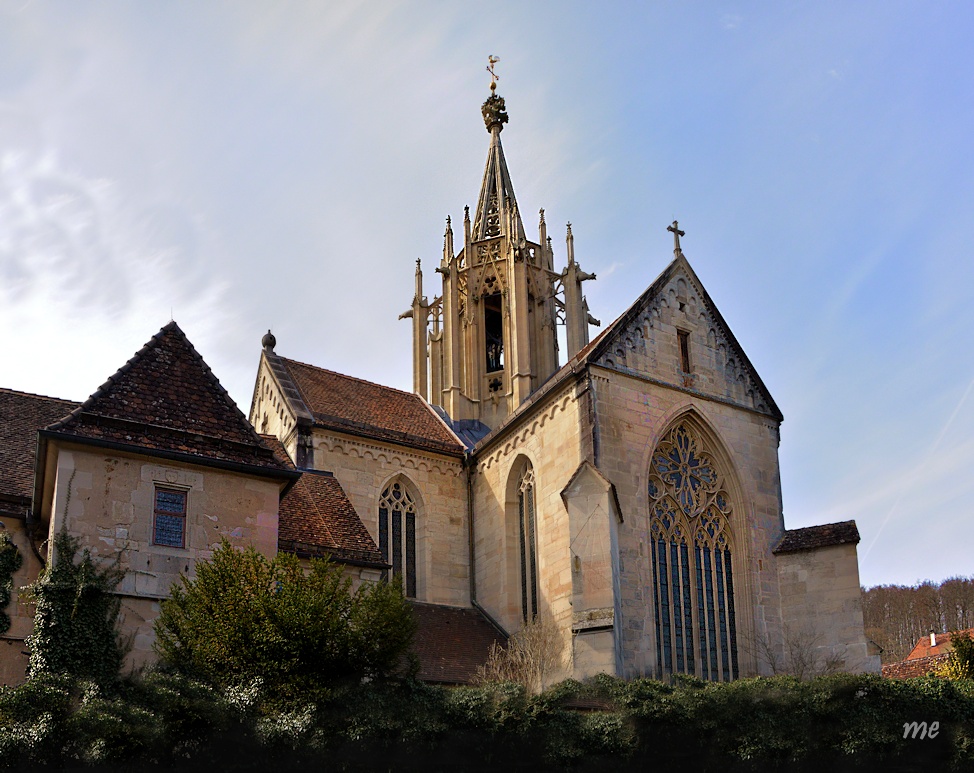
<point x="170" y="518"/>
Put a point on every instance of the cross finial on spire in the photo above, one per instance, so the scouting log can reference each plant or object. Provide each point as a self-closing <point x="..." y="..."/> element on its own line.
<point x="491" y="61"/>
<point x="677" y="233"/>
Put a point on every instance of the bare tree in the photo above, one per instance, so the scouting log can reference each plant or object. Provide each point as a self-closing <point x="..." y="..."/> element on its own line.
<point x="797" y="651"/>
<point x="896" y="616"/>
<point x="534" y="656"/>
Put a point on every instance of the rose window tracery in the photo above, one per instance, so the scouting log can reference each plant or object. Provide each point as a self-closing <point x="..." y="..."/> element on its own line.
<point x="691" y="553"/>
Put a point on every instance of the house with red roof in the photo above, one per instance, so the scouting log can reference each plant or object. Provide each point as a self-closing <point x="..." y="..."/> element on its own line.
<point x="927" y="654"/>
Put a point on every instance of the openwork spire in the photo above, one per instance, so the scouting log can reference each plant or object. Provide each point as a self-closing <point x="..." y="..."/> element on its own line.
<point x="496" y="203"/>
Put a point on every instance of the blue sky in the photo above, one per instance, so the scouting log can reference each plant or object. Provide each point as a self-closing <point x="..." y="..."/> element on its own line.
<point x="244" y="166"/>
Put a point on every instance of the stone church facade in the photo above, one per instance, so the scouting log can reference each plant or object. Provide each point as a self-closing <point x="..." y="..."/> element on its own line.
<point x="628" y="491"/>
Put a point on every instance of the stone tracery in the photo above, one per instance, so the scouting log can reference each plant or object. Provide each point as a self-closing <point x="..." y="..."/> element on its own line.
<point x="691" y="552"/>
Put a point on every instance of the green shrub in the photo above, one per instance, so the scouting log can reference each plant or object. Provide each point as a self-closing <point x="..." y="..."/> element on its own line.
<point x="245" y="617"/>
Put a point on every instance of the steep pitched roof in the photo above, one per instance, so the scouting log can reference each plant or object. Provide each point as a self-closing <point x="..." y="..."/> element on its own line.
<point x="923" y="648"/>
<point x="21" y="416"/>
<point x="452" y="642"/>
<point x="814" y="537"/>
<point x="167" y="400"/>
<point x="360" y="407"/>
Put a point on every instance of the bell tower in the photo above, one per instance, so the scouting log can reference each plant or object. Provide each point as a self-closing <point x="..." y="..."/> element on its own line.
<point x="490" y="339"/>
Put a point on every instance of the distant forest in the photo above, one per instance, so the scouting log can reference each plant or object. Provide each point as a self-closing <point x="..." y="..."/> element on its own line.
<point x="896" y="616"/>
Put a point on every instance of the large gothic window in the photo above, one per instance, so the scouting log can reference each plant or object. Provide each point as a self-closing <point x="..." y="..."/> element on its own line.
<point x="397" y="534"/>
<point x="696" y="631"/>
<point x="527" y="542"/>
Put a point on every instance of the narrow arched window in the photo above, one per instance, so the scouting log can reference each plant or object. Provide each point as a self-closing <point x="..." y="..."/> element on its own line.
<point x="397" y="534"/>
<point x="693" y="595"/>
<point x="527" y="544"/>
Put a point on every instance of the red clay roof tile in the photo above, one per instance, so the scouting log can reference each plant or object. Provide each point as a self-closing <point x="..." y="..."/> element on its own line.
<point x="21" y="415"/>
<point x="316" y="517"/>
<point x="361" y="407"/>
<point x="452" y="642"/>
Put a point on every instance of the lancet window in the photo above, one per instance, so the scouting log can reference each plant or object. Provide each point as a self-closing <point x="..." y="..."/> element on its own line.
<point x="690" y="544"/>
<point x="397" y="534"/>
<point x="527" y="544"/>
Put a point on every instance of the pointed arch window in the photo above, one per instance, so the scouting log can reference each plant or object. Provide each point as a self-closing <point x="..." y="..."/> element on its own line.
<point x="397" y="534"/>
<point x="690" y="545"/>
<point x="527" y="544"/>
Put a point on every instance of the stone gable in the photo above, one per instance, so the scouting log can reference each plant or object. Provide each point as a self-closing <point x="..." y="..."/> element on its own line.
<point x="645" y="341"/>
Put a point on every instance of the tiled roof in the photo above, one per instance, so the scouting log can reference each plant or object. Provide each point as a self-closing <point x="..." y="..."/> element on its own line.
<point x="451" y="642"/>
<point x="167" y="399"/>
<point x="361" y="407"/>
<point x="909" y="669"/>
<point x="316" y="518"/>
<point x="814" y="537"/>
<point x="922" y="649"/>
<point x="21" y="415"/>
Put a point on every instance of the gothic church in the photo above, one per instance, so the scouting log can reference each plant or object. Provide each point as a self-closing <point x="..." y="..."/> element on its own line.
<point x="628" y="492"/>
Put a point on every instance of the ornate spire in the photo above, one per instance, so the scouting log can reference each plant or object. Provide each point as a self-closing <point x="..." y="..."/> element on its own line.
<point x="496" y="204"/>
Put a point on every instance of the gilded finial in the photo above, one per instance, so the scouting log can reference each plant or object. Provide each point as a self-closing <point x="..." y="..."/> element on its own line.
<point x="491" y="61"/>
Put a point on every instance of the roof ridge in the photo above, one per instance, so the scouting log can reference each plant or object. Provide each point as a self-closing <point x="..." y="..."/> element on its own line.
<point x="7" y="390"/>
<point x="345" y="375"/>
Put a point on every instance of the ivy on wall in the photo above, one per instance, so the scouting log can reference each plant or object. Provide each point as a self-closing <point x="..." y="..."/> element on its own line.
<point x="10" y="561"/>
<point x="76" y="617"/>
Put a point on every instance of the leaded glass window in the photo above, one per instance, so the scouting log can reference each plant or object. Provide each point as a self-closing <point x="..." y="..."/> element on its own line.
<point x="397" y="534"/>
<point x="527" y="544"/>
<point x="693" y="595"/>
<point x="169" y="518"/>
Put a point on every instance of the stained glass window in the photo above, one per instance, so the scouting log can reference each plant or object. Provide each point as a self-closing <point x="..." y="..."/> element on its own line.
<point x="397" y="534"/>
<point x="691" y="555"/>
<point x="527" y="544"/>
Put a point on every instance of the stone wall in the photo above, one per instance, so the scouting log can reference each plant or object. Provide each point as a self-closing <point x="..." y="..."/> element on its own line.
<point x="106" y="499"/>
<point x="633" y="414"/>
<point x="821" y="609"/>
<point x="13" y="651"/>
<point x="437" y="484"/>
<point x="552" y="439"/>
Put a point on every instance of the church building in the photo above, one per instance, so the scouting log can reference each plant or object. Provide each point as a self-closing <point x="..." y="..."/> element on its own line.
<point x="626" y="491"/>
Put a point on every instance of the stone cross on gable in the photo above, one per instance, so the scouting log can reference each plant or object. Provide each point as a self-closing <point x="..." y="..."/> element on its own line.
<point x="677" y="233"/>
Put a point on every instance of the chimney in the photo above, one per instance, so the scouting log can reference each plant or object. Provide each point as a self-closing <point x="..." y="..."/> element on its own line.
<point x="933" y="639"/>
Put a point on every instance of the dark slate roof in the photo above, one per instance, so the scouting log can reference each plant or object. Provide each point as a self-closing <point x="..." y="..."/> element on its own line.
<point x="166" y="399"/>
<point x="814" y="537"/>
<point x="21" y="415"/>
<point x="452" y="642"/>
<point x="352" y="405"/>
